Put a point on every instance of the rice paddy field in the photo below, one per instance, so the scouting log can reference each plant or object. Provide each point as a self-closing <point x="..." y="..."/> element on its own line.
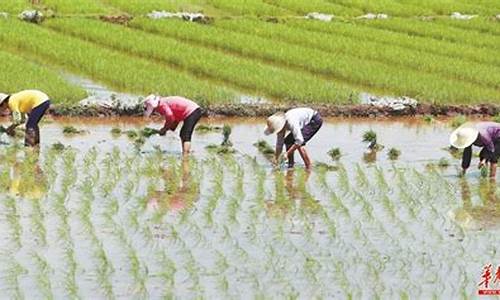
<point x="92" y="215"/>
<point x="107" y="209"/>
<point x="262" y="48"/>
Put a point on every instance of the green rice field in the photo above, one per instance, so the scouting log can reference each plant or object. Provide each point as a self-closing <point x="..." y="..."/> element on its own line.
<point x="98" y="218"/>
<point x="262" y="48"/>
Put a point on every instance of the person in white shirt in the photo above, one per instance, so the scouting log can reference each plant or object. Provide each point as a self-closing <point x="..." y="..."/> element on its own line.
<point x="303" y="123"/>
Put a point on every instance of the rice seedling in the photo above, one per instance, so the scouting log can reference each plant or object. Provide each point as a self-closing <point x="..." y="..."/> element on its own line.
<point x="202" y="128"/>
<point x="484" y="171"/>
<point x="393" y="154"/>
<point x="457" y="121"/>
<point x="116" y="132"/>
<point x="226" y="133"/>
<point x="428" y="118"/>
<point x="335" y="154"/>
<point x="58" y="147"/>
<point x="496" y="118"/>
<point x="148" y="132"/>
<point x="70" y="130"/>
<point x="443" y="163"/>
<point x="131" y="134"/>
<point x="454" y="152"/>
<point x="265" y="149"/>
<point x="226" y="146"/>
<point x="370" y="137"/>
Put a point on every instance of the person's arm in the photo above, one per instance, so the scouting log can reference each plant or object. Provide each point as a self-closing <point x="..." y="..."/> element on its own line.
<point x="297" y="136"/>
<point x="280" y="140"/>
<point x="466" y="158"/>
<point x="169" y="117"/>
<point x="17" y="119"/>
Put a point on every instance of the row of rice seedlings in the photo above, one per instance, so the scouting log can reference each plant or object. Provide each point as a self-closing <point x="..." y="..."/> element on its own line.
<point x="419" y="8"/>
<point x="111" y="173"/>
<point x="322" y="6"/>
<point x="216" y="193"/>
<point x="118" y="70"/>
<point x="101" y="265"/>
<point x="61" y="7"/>
<point x="42" y="275"/>
<point x="11" y="217"/>
<point x="36" y="77"/>
<point x="349" y="70"/>
<point x="64" y="230"/>
<point x="483" y="25"/>
<point x="248" y="7"/>
<point x="267" y="80"/>
<point x="141" y="7"/>
<point x="445" y="48"/>
<point x="440" y="32"/>
<point x="11" y="270"/>
<point x="237" y="196"/>
<point x="392" y="54"/>
<point x="14" y="6"/>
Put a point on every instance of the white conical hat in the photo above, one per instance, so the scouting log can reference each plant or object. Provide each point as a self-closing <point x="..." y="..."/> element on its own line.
<point x="150" y="104"/>
<point x="464" y="136"/>
<point x="275" y="123"/>
<point x="3" y="97"/>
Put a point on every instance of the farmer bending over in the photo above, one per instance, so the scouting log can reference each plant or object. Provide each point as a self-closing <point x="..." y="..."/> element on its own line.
<point x="175" y="109"/>
<point x="303" y="123"/>
<point x="31" y="102"/>
<point x="481" y="134"/>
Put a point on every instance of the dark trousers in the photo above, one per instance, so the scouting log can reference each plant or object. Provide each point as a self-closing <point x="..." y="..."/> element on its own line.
<point x="189" y="124"/>
<point x="491" y="157"/>
<point x="308" y="131"/>
<point x="36" y="115"/>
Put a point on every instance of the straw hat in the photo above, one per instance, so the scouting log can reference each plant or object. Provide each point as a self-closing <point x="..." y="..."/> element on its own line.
<point x="464" y="136"/>
<point x="3" y="97"/>
<point x="275" y="123"/>
<point x="150" y="104"/>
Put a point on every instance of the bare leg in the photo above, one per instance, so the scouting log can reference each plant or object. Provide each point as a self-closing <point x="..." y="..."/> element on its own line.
<point x="305" y="157"/>
<point x="37" y="135"/>
<point x="493" y="170"/>
<point x="30" y="137"/>
<point x="186" y="148"/>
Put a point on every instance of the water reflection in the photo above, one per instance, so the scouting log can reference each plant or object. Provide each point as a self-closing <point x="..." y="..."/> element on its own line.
<point x="180" y="193"/>
<point x="486" y="215"/>
<point x="291" y="194"/>
<point x="22" y="176"/>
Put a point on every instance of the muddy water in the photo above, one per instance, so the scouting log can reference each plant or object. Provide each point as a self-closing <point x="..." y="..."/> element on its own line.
<point x="117" y="222"/>
<point x="418" y="141"/>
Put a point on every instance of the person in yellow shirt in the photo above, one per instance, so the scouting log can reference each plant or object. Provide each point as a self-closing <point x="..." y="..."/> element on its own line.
<point x="28" y="102"/>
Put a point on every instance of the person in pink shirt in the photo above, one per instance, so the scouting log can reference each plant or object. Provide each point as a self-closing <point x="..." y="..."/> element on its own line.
<point x="175" y="109"/>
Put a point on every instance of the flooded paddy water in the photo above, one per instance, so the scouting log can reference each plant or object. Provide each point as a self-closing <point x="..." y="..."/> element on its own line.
<point x="104" y="218"/>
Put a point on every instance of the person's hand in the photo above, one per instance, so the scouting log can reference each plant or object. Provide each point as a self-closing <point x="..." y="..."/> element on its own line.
<point x="481" y="164"/>
<point x="464" y="171"/>
<point x="163" y="131"/>
<point x="11" y="131"/>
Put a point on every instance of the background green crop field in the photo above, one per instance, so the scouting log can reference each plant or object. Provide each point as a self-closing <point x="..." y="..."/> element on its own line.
<point x="262" y="48"/>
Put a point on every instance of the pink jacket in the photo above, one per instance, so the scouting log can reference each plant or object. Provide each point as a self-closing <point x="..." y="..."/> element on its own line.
<point x="176" y="108"/>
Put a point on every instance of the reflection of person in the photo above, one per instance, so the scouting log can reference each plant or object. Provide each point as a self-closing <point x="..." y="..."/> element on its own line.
<point x="31" y="102"/>
<point x="481" y="134"/>
<point x="182" y="197"/>
<point x="472" y="216"/>
<point x="28" y="180"/>
<point x="175" y="109"/>
<point x="303" y="123"/>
